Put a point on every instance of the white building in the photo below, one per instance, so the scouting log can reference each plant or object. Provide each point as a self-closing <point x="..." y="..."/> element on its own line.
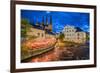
<point x="74" y="34"/>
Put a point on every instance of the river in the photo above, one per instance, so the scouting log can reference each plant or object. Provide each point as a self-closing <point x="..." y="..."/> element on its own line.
<point x="64" y="54"/>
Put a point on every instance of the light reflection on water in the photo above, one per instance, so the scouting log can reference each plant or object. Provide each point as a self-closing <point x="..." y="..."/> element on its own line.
<point x="64" y="53"/>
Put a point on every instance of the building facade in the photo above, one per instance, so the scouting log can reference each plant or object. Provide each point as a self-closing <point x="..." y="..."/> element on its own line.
<point x="36" y="33"/>
<point x="43" y="29"/>
<point x="74" y="34"/>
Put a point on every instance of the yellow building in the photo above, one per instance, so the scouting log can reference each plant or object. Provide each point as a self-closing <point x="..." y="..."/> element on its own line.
<point x="42" y="30"/>
<point x="36" y="32"/>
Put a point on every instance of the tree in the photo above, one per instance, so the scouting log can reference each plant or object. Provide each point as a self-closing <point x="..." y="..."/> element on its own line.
<point x="61" y="36"/>
<point x="87" y="37"/>
<point x="24" y="21"/>
<point x="25" y="26"/>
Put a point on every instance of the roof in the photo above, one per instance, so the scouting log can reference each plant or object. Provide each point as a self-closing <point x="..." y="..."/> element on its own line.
<point x="41" y="28"/>
<point x="78" y="29"/>
<point x="49" y="32"/>
<point x="38" y="27"/>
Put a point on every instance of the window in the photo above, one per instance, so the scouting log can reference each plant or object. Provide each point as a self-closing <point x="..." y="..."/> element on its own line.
<point x="69" y="34"/>
<point x="78" y="34"/>
<point x="72" y="30"/>
<point x="38" y="34"/>
<point x="42" y="34"/>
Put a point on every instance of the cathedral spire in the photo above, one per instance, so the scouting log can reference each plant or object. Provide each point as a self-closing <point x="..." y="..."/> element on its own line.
<point x="36" y="21"/>
<point x="46" y="20"/>
<point x="43" y="22"/>
<point x="50" y="20"/>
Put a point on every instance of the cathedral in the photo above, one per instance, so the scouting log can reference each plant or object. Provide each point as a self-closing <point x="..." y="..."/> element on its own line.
<point x="42" y="29"/>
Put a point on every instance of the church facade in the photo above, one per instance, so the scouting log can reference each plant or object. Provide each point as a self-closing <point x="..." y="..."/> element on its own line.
<point x="43" y="29"/>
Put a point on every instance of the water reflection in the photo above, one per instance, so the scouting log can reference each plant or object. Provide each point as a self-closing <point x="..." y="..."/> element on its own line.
<point x="80" y="52"/>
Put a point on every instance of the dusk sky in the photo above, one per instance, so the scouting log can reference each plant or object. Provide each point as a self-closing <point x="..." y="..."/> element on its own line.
<point x="59" y="19"/>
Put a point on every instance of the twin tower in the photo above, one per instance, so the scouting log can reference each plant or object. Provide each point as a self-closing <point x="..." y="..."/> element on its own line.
<point x="46" y="23"/>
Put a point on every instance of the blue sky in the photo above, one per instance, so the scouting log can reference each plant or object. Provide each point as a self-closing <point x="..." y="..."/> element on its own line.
<point x="59" y="19"/>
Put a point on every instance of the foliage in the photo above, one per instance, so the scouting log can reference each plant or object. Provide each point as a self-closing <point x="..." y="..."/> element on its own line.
<point x="61" y="36"/>
<point x="87" y="37"/>
<point x="24" y="21"/>
<point x="23" y="32"/>
<point x="25" y="26"/>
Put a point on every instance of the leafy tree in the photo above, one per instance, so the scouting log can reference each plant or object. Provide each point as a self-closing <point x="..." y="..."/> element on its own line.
<point x="24" y="21"/>
<point x="23" y="32"/>
<point x="61" y="36"/>
<point x="25" y="26"/>
<point x="87" y="37"/>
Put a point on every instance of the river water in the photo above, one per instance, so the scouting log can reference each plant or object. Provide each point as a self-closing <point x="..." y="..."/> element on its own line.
<point x="64" y="54"/>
